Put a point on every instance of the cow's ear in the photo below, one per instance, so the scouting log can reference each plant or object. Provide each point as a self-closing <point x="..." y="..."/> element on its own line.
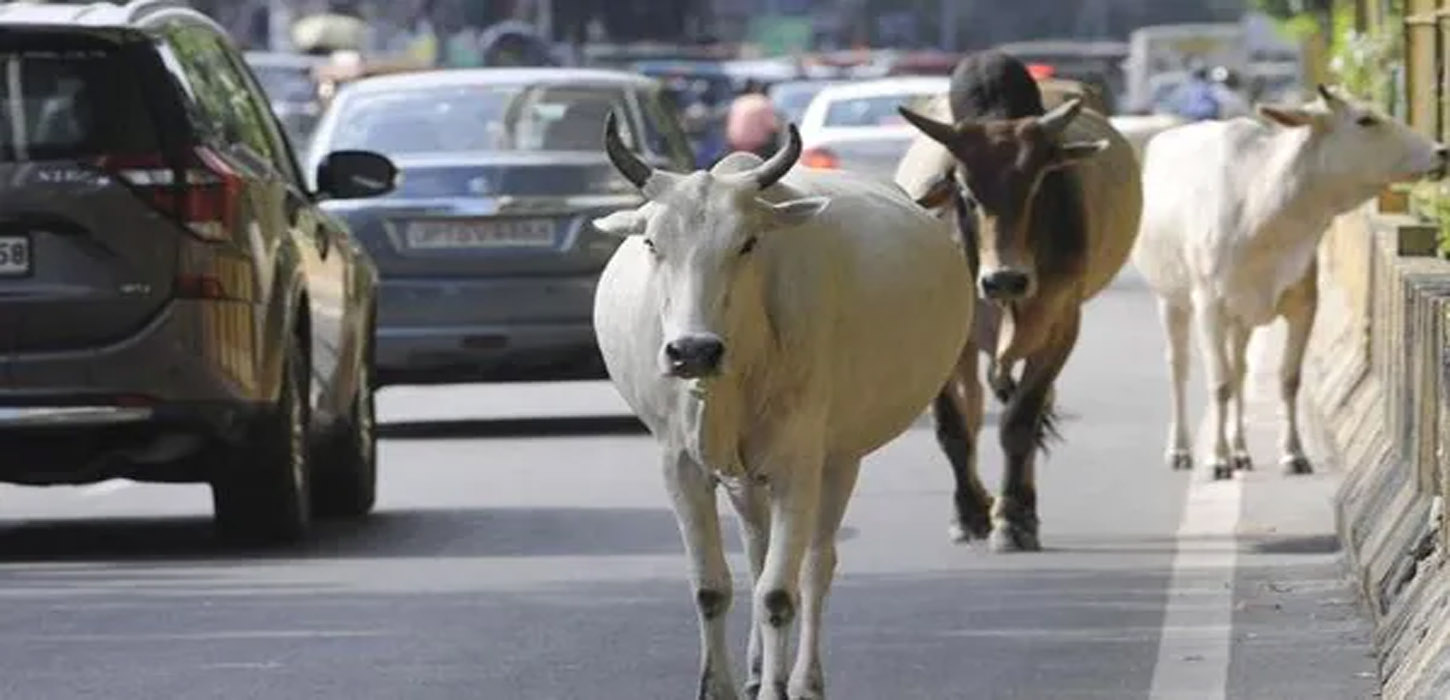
<point x="1076" y="151"/>
<point x="629" y="222"/>
<point x="796" y="211"/>
<point x="1286" y="116"/>
<point x="938" y="193"/>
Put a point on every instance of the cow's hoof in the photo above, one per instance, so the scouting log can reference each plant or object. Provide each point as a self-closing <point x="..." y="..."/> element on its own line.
<point x="1242" y="463"/>
<point x="1180" y="461"/>
<point x="1222" y="471"/>
<point x="1297" y="466"/>
<point x="713" y="687"/>
<point x="965" y="530"/>
<point x="812" y="689"/>
<point x="1012" y="537"/>
<point x="775" y="691"/>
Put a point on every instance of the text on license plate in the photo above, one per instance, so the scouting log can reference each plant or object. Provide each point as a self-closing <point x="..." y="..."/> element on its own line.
<point x="488" y="233"/>
<point x="14" y="256"/>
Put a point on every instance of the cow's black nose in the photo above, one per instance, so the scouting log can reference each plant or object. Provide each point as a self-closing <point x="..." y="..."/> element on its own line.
<point x="1005" y="284"/>
<point x="695" y="356"/>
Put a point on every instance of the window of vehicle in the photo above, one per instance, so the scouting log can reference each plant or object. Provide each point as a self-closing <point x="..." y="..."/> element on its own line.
<point x="481" y="118"/>
<point x="663" y="129"/>
<point x="225" y="109"/>
<point x="70" y="103"/>
<point x="286" y="83"/>
<point x="867" y="111"/>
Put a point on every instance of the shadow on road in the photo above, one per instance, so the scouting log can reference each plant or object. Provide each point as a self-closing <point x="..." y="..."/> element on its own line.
<point x="501" y="532"/>
<point x="512" y="428"/>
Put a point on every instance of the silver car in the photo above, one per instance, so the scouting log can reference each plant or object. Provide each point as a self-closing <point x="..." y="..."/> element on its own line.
<point x="487" y="258"/>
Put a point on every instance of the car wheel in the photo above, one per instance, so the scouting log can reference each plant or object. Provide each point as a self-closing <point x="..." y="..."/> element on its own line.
<point x="346" y="484"/>
<point x="262" y="494"/>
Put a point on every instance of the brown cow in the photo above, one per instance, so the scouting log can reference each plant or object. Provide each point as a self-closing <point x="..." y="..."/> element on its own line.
<point x="1050" y="203"/>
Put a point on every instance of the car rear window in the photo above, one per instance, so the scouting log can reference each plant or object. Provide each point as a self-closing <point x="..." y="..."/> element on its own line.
<point x="868" y="111"/>
<point x="67" y="104"/>
<point x="482" y="118"/>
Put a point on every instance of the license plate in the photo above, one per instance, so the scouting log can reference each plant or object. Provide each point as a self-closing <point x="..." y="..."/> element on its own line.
<point x="14" y="256"/>
<point x="486" y="233"/>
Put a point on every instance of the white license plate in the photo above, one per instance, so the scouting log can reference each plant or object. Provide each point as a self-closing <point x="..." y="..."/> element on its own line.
<point x="485" y="233"/>
<point x="14" y="256"/>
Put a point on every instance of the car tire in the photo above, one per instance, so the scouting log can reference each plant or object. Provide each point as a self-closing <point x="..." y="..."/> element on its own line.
<point x="346" y="483"/>
<point x="262" y="495"/>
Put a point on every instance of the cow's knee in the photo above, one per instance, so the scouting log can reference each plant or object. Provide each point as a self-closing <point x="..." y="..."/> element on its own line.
<point x="712" y="602"/>
<point x="1222" y="392"/>
<point x="779" y="607"/>
<point x="1289" y="385"/>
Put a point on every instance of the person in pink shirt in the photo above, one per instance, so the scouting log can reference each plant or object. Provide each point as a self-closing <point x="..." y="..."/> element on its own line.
<point x="752" y="124"/>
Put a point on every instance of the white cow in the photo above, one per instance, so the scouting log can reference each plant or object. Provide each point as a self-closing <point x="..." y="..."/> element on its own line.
<point x="1233" y="212"/>
<point x="771" y="330"/>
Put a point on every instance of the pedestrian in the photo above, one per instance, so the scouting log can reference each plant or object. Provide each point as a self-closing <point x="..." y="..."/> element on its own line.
<point x="752" y="124"/>
<point x="1197" y="99"/>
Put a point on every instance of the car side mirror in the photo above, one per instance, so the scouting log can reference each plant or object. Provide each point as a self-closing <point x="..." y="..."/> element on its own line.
<point x="355" y="175"/>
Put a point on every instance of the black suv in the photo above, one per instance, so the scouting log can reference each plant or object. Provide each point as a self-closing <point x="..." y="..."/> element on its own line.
<point x="174" y="306"/>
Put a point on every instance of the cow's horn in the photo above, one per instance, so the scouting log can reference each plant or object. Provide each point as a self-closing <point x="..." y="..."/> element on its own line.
<point x="941" y="132"/>
<point x="1055" y="121"/>
<point x="635" y="170"/>
<point x="772" y="170"/>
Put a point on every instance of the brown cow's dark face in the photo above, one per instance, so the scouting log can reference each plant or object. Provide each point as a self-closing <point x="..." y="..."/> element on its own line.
<point x="1003" y="163"/>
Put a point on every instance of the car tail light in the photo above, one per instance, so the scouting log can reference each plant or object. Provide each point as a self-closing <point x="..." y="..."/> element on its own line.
<point x="200" y="286"/>
<point x="819" y="158"/>
<point x="203" y="193"/>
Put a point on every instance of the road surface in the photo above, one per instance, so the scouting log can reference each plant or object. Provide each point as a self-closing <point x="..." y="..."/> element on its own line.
<point x="523" y="550"/>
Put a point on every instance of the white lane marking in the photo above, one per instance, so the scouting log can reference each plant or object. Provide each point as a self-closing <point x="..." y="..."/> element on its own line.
<point x="216" y="636"/>
<point x="106" y="488"/>
<point x="1196" y="640"/>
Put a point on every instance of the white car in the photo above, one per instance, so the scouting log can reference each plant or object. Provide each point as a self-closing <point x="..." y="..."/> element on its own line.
<point x="855" y="126"/>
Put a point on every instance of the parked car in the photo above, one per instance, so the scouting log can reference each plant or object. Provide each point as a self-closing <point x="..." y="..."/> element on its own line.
<point x="173" y="304"/>
<point x="290" y="81"/>
<point x="487" y="258"/>
<point x="855" y="126"/>
<point x="793" y="96"/>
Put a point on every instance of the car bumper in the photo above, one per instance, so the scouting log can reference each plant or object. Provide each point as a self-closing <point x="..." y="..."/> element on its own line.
<point x="488" y="353"/>
<point x="486" y="328"/>
<point x="79" y="444"/>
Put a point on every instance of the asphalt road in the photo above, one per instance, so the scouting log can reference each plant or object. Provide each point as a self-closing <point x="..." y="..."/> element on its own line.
<point x="523" y="549"/>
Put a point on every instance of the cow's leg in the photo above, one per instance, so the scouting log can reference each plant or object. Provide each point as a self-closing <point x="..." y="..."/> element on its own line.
<point x="795" y="486"/>
<point x="807" y="682"/>
<point x="1299" y="306"/>
<point x="1238" y="345"/>
<point x="1025" y="425"/>
<point x="1213" y="340"/>
<point x="1177" y="321"/>
<point x="957" y="411"/>
<point x="692" y="492"/>
<point x="752" y="504"/>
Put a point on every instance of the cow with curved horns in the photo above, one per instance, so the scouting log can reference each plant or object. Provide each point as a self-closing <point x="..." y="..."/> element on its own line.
<point x="1229" y="244"/>
<point x="1047" y="205"/>
<point x="754" y="318"/>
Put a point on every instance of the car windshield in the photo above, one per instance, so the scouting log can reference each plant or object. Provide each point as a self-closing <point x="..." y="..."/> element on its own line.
<point x="286" y="84"/>
<point x="481" y="118"/>
<point x="869" y="111"/>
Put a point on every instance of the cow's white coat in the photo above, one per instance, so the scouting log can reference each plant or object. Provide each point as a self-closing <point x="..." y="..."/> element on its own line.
<point x="1233" y="214"/>
<point x="839" y="327"/>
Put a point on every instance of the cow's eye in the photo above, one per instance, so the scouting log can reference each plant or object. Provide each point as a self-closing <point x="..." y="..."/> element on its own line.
<point x="1367" y="121"/>
<point x="650" y="246"/>
<point x="749" y="245"/>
